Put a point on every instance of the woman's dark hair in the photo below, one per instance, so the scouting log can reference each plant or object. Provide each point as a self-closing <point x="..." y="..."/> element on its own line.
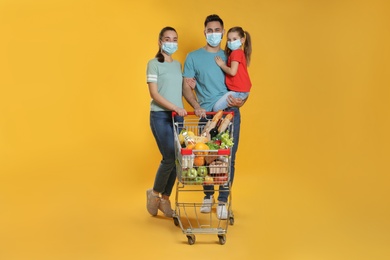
<point x="247" y="44"/>
<point x="159" y="55"/>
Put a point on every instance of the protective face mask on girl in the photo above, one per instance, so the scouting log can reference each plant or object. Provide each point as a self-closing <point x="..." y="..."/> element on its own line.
<point x="169" y="47"/>
<point x="234" y="45"/>
<point x="214" y="38"/>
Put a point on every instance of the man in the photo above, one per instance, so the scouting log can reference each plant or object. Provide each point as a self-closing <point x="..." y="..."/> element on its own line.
<point x="200" y="67"/>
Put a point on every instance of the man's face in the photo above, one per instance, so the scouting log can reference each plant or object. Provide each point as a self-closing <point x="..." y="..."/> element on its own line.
<point x="213" y="27"/>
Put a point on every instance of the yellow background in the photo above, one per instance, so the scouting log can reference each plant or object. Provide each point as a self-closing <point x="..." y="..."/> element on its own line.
<point x="77" y="154"/>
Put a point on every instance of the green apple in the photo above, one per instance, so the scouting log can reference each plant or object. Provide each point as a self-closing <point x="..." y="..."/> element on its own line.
<point x="202" y="171"/>
<point x="199" y="180"/>
<point x="192" y="173"/>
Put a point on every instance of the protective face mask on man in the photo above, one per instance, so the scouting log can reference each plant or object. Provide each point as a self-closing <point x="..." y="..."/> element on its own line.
<point x="169" y="47"/>
<point x="234" y="45"/>
<point x="214" y="38"/>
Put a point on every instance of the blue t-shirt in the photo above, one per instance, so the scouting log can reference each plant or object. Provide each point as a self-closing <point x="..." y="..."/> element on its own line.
<point x="210" y="79"/>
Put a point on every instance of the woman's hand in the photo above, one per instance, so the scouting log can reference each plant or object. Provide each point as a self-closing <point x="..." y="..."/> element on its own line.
<point x="191" y="82"/>
<point x="180" y="111"/>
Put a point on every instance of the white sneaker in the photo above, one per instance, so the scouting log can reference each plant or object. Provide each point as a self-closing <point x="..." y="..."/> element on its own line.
<point x="222" y="212"/>
<point x="207" y="205"/>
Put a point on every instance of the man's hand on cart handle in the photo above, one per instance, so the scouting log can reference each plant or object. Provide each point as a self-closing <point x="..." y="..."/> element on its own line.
<point x="200" y="112"/>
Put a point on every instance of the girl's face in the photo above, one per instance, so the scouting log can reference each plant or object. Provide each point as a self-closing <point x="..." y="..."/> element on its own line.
<point x="232" y="36"/>
<point x="169" y="36"/>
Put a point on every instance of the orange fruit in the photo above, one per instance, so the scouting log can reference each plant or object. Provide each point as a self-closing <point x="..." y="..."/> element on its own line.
<point x="190" y="146"/>
<point x="201" y="146"/>
<point x="199" y="161"/>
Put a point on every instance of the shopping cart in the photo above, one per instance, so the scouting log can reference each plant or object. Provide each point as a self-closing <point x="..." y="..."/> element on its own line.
<point x="196" y="168"/>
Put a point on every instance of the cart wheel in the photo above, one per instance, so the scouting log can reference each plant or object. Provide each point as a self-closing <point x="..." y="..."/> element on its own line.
<point x="222" y="239"/>
<point x="176" y="221"/>
<point x="231" y="221"/>
<point x="191" y="239"/>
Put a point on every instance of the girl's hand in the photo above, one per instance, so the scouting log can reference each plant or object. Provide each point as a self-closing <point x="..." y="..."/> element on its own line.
<point x="191" y="82"/>
<point x="219" y="61"/>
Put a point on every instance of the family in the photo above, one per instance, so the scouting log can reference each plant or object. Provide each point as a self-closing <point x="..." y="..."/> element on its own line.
<point x="221" y="82"/>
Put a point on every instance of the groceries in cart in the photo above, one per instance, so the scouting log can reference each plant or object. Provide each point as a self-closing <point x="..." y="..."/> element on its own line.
<point x="203" y="157"/>
<point x="204" y="150"/>
<point x="215" y="133"/>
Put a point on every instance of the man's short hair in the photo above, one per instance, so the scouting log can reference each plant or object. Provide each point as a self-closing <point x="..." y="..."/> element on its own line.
<point x="213" y="18"/>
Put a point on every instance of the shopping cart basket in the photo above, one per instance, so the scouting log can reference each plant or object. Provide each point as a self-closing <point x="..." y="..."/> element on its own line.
<point x="199" y="167"/>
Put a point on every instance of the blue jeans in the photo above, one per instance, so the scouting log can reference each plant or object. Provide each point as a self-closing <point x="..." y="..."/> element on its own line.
<point x="222" y="103"/>
<point x="162" y="129"/>
<point x="224" y="190"/>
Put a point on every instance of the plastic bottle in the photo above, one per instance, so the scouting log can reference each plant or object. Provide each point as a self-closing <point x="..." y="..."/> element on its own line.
<point x="187" y="138"/>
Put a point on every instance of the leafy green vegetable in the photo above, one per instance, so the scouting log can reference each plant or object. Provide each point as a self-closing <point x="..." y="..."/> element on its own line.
<point x="212" y="145"/>
<point x="221" y="141"/>
<point x="226" y="140"/>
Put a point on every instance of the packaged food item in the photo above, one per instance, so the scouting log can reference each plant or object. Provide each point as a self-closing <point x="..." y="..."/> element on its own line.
<point x="187" y="161"/>
<point x="217" y="167"/>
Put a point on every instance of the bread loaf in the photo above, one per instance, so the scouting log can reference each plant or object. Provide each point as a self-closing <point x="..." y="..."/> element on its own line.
<point x="213" y="122"/>
<point x="217" y="116"/>
<point x="225" y="123"/>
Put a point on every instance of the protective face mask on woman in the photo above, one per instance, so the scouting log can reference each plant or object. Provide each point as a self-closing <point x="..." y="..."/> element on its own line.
<point x="214" y="38"/>
<point x="169" y="47"/>
<point x="234" y="45"/>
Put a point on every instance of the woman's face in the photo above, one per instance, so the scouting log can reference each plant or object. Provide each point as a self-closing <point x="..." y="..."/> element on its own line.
<point x="169" y="36"/>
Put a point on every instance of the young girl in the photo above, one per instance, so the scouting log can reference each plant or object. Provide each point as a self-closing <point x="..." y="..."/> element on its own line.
<point x="237" y="78"/>
<point x="164" y="79"/>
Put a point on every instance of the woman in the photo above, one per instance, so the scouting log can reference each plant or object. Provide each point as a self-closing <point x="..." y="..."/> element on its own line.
<point x="164" y="79"/>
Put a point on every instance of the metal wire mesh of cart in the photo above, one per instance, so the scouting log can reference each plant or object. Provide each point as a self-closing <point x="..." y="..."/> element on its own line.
<point x="201" y="161"/>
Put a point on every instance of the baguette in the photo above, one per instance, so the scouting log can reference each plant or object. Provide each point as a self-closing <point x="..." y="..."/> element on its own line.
<point x="205" y="128"/>
<point x="225" y="123"/>
<point x="217" y="116"/>
<point x="213" y="122"/>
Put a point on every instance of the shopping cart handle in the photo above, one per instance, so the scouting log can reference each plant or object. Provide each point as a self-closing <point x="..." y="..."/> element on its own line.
<point x="185" y="151"/>
<point x="192" y="113"/>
